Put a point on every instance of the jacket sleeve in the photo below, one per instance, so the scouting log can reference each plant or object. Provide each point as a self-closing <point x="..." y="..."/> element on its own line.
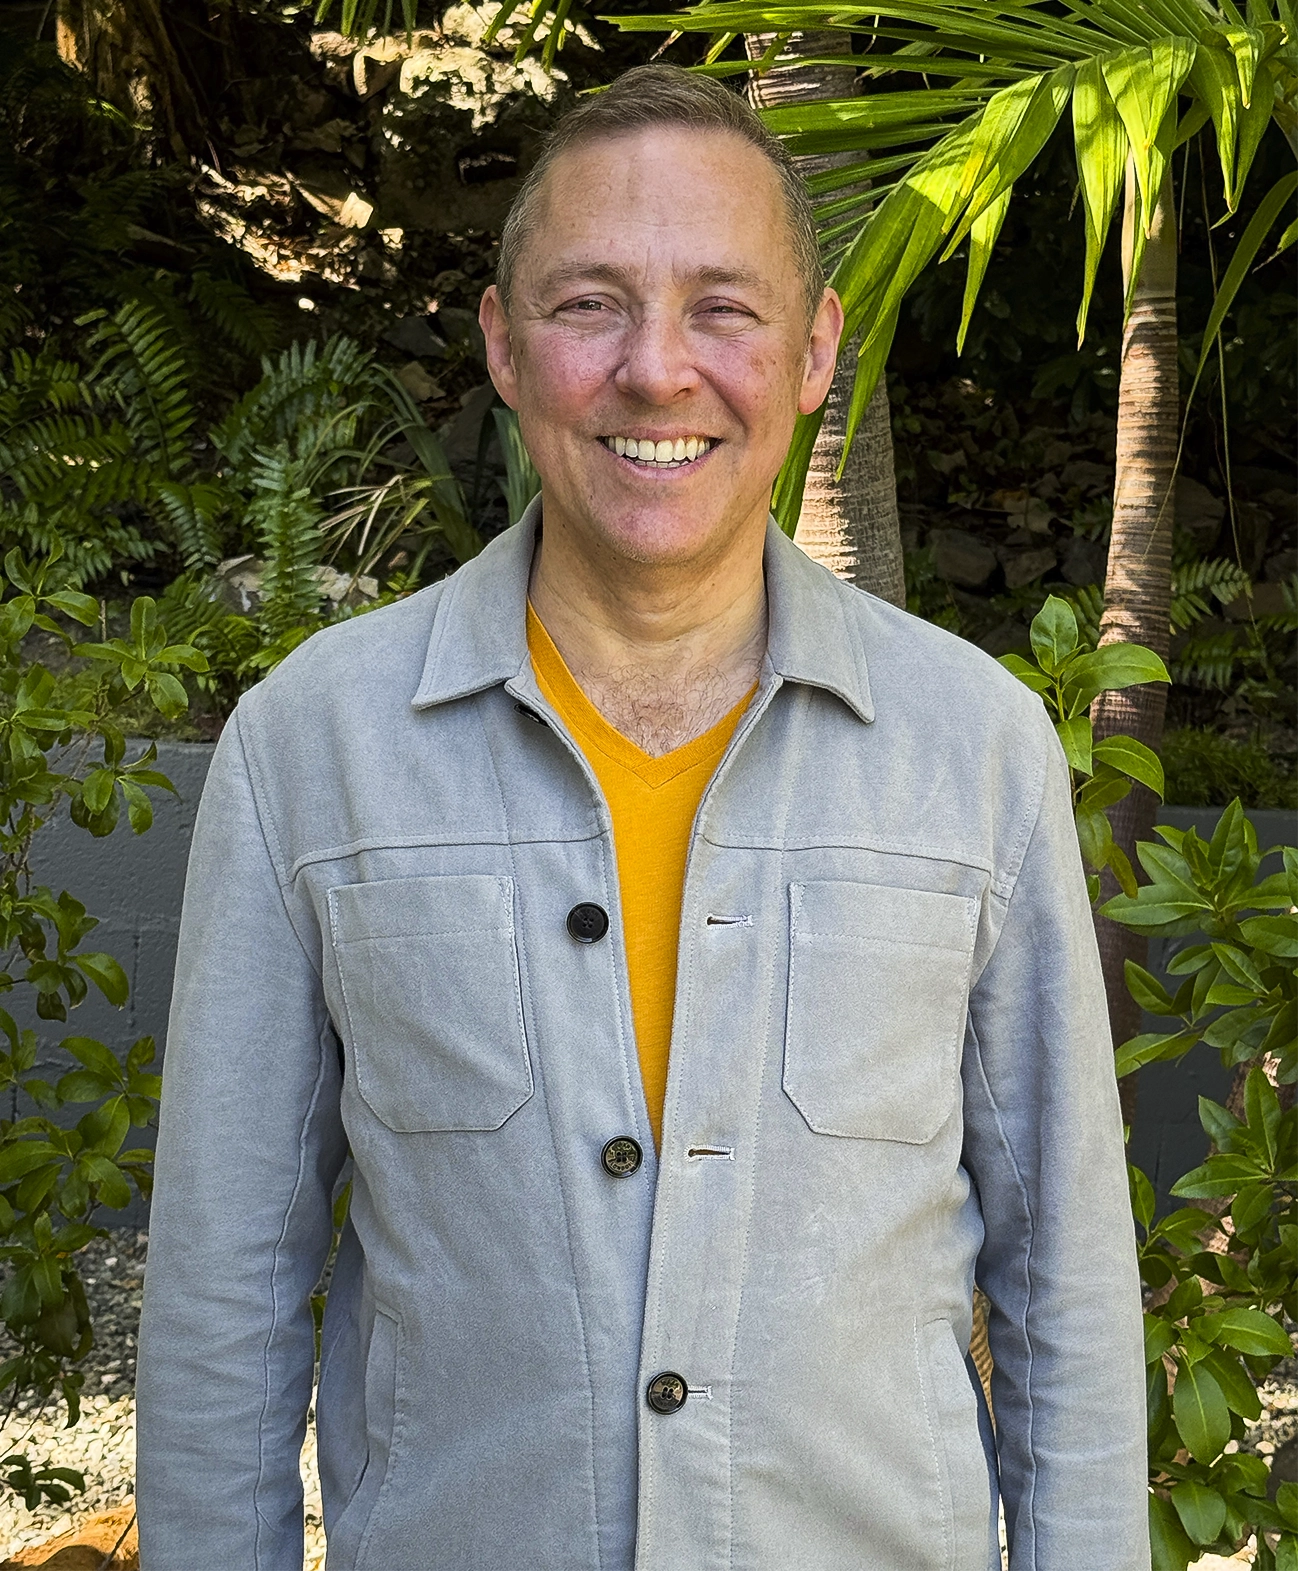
<point x="249" y="1148"/>
<point x="1044" y="1148"/>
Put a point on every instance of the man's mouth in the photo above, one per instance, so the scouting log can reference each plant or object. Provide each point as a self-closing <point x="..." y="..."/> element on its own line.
<point x="664" y="454"/>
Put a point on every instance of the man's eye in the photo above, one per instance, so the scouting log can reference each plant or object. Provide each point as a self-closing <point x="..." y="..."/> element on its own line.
<point x="585" y="305"/>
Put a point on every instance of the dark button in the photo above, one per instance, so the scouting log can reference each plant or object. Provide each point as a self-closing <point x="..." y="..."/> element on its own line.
<point x="622" y="1156"/>
<point x="666" y="1392"/>
<point x="588" y="923"/>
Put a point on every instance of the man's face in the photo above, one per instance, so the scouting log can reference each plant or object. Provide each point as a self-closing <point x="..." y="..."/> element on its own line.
<point x="657" y="302"/>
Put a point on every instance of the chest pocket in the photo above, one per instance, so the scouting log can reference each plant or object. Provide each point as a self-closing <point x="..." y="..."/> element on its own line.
<point x="878" y="992"/>
<point x="429" y="975"/>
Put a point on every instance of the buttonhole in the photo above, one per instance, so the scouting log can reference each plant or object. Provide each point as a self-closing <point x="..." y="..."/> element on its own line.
<point x="531" y="714"/>
<point x="717" y="1153"/>
<point x="703" y="1391"/>
<point x="729" y="921"/>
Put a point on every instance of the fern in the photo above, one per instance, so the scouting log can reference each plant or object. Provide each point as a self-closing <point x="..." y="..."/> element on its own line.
<point x="287" y="519"/>
<point x="1194" y="581"/>
<point x="301" y="395"/>
<point x="233" y="311"/>
<point x="194" y="512"/>
<point x="142" y="368"/>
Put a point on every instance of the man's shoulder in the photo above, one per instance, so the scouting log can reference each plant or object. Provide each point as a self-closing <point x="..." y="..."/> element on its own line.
<point x="373" y="658"/>
<point x="924" y="670"/>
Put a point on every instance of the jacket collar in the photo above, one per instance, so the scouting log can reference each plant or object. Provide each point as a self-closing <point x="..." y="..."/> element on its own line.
<point x="479" y="636"/>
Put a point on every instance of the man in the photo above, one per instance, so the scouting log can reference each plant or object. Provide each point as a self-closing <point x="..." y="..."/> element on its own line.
<point x="694" y="955"/>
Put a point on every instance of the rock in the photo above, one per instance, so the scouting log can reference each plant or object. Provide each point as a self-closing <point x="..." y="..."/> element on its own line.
<point x="1085" y="561"/>
<point x="415" y="335"/>
<point x="461" y="436"/>
<point x="1198" y="512"/>
<point x="961" y="558"/>
<point x="1022" y="567"/>
<point x="1282" y="566"/>
<point x="107" y="1542"/>
<point x="1261" y="600"/>
<point x="418" y="383"/>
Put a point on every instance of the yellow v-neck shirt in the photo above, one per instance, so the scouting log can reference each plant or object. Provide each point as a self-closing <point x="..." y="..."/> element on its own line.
<point x="652" y="802"/>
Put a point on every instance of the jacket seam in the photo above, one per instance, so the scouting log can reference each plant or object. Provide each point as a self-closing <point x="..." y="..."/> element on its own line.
<point x="274" y="1290"/>
<point x="1029" y="825"/>
<point x="338" y="853"/>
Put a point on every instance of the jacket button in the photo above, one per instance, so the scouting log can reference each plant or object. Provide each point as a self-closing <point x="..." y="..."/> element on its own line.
<point x="666" y="1393"/>
<point x="587" y="923"/>
<point x="621" y="1156"/>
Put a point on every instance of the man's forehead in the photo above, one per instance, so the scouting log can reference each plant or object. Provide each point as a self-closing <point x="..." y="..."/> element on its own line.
<point x="661" y="197"/>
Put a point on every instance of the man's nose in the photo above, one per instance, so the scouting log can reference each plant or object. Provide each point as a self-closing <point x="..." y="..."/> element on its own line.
<point x="658" y="366"/>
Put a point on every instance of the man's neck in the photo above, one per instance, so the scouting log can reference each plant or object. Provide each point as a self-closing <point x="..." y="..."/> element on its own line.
<point x="663" y="651"/>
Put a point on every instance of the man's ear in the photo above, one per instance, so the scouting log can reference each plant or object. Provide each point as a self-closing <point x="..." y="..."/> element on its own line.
<point x="500" y="349"/>
<point x="822" y="352"/>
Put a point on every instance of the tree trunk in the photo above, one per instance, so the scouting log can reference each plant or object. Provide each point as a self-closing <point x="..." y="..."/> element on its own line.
<point x="138" y="55"/>
<point x="850" y="525"/>
<point x="1138" y="584"/>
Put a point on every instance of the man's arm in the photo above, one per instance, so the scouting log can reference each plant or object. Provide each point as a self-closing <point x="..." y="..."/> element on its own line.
<point x="250" y="1145"/>
<point x="1044" y="1146"/>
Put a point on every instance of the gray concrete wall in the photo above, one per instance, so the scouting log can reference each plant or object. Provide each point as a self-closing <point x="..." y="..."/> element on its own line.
<point x="134" y="885"/>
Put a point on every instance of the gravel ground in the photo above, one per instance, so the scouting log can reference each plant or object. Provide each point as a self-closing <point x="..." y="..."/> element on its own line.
<point x="103" y="1443"/>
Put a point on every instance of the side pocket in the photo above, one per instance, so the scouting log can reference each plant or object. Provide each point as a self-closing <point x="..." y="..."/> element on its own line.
<point x="356" y="1522"/>
<point x="952" y="1411"/>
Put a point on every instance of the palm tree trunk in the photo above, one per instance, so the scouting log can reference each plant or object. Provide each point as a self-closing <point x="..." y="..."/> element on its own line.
<point x="850" y="525"/>
<point x="1138" y="584"/>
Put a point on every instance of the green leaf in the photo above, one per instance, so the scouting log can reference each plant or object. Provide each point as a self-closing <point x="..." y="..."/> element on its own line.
<point x="1238" y="964"/>
<point x="1219" y="1124"/>
<point x="1277" y="935"/>
<point x="1239" y="1391"/>
<point x="81" y="608"/>
<point x="107" y="976"/>
<point x="1026" y="672"/>
<point x="1251" y="1332"/>
<point x="1075" y="739"/>
<point x="1147" y="990"/>
<point x="982" y="242"/>
<point x="1202" y="1510"/>
<point x="1144" y="83"/>
<point x="1133" y="758"/>
<point x="23" y="1157"/>
<point x="1250" y="243"/>
<point x="1101" y="147"/>
<point x="1171" y="1548"/>
<point x="1152" y="1047"/>
<point x="1053" y="633"/>
<point x="1109" y="668"/>
<point x="1251" y="1208"/>
<point x="93" y="1054"/>
<point x="1160" y="1338"/>
<point x="1200" y="1411"/>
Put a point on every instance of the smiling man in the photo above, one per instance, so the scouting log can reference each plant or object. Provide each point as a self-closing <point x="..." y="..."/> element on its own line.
<point x="693" y="955"/>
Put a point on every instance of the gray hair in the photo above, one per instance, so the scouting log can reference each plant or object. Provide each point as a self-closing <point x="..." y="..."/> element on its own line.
<point x="666" y="95"/>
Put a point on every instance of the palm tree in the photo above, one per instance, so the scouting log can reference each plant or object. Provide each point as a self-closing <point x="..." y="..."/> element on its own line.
<point x="848" y="519"/>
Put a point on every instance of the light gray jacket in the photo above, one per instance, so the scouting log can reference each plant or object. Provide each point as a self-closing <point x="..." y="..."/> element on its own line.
<point x="890" y="1077"/>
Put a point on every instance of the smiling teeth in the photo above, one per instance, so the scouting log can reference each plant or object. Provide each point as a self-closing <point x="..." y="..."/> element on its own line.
<point x="667" y="454"/>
